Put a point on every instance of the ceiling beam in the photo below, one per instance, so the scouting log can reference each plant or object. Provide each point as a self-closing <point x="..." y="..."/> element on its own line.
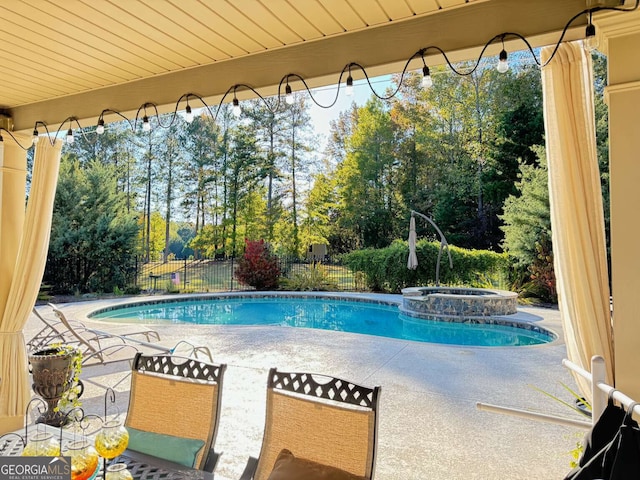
<point x="460" y="32"/>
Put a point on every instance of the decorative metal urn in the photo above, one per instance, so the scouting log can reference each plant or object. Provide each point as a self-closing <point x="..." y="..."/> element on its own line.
<point x="52" y="371"/>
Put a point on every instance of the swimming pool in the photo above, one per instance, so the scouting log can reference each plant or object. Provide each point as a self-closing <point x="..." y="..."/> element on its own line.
<point x="326" y="313"/>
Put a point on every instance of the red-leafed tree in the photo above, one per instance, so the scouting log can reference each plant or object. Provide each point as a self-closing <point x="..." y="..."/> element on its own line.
<point x="258" y="267"/>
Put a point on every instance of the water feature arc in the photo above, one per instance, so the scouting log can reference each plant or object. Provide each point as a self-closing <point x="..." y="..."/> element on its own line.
<point x="443" y="243"/>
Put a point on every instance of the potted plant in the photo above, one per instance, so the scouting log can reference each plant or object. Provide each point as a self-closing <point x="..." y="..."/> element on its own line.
<point x="56" y="378"/>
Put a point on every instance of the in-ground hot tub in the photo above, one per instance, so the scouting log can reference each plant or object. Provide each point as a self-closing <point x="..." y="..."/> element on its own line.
<point x="430" y="302"/>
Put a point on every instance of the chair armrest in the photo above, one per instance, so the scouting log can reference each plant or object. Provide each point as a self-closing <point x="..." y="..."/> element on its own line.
<point x="250" y="469"/>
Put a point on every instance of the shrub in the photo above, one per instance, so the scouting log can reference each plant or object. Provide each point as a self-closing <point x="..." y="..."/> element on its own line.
<point x="171" y="287"/>
<point x="386" y="268"/>
<point x="258" y="267"/>
<point x="311" y="278"/>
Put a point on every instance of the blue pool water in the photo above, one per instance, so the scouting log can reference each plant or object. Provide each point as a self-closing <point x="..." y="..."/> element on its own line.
<point x="326" y="314"/>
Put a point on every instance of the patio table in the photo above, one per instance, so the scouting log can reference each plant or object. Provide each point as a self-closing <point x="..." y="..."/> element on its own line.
<point x="141" y="466"/>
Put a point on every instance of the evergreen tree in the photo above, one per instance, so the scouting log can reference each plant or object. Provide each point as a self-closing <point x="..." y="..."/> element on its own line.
<point x="527" y="228"/>
<point x="298" y="144"/>
<point x="202" y="166"/>
<point x="93" y="238"/>
<point x="268" y="120"/>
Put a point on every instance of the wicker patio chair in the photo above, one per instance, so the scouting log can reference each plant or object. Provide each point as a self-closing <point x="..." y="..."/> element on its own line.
<point x="178" y="397"/>
<point x="320" y="419"/>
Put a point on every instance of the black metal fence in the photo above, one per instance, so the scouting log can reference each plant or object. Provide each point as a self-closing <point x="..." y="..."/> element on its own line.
<point x="217" y="275"/>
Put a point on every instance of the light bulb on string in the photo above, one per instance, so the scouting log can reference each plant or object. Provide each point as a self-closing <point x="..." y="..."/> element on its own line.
<point x="427" y="81"/>
<point x="188" y="114"/>
<point x="349" y="89"/>
<point x="146" y="126"/>
<point x="288" y="95"/>
<point x="35" y="137"/>
<point x="590" y="38"/>
<point x="100" y="127"/>
<point x="1" y="149"/>
<point x="503" y="64"/>
<point x="237" y="111"/>
<point x="70" y="137"/>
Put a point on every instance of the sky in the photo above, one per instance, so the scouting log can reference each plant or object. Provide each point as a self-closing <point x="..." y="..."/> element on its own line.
<point x="322" y="117"/>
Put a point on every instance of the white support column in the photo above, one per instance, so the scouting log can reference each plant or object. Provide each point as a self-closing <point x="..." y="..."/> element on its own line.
<point x="621" y="38"/>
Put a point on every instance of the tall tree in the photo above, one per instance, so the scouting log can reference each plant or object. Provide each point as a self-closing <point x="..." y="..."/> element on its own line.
<point x="298" y="144"/>
<point x="169" y="158"/>
<point x="268" y="122"/>
<point x="320" y="206"/>
<point x="93" y="238"/>
<point x="202" y="170"/>
<point x="367" y="178"/>
<point x="244" y="175"/>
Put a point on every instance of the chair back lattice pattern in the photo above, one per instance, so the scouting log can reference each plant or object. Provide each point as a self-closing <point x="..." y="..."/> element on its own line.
<point x="178" y="366"/>
<point x="322" y="386"/>
<point x="324" y="419"/>
<point x="176" y="396"/>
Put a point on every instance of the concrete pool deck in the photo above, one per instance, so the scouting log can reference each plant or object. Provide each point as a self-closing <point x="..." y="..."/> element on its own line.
<point x="429" y="426"/>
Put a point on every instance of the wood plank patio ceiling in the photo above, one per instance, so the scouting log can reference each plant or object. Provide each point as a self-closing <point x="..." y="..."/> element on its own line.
<point x="63" y="58"/>
<point x="53" y="48"/>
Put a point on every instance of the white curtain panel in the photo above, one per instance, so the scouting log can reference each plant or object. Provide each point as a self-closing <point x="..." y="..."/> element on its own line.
<point x="24" y="241"/>
<point x="577" y="218"/>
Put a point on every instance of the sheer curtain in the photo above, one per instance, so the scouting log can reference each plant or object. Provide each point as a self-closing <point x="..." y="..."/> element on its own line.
<point x="24" y="241"/>
<point x="577" y="218"/>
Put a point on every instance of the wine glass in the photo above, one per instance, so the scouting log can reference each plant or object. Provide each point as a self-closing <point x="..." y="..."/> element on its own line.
<point x="118" y="471"/>
<point x="42" y="444"/>
<point x="84" y="459"/>
<point x="112" y="439"/>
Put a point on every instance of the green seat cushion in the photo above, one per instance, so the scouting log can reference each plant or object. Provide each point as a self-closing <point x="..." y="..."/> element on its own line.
<point x="290" y="467"/>
<point x="175" y="449"/>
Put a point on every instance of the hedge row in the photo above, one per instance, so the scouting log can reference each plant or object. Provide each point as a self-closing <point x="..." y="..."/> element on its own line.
<point x="386" y="268"/>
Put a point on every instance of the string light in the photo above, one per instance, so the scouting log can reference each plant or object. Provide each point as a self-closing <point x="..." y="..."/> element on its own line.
<point x="35" y="137"/>
<point x="590" y="38"/>
<point x="1" y="148"/>
<point x="288" y="94"/>
<point x="591" y="41"/>
<point x="100" y="126"/>
<point x="503" y="65"/>
<point x="427" y="81"/>
<point x="188" y="114"/>
<point x="349" y="89"/>
<point x="237" y="111"/>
